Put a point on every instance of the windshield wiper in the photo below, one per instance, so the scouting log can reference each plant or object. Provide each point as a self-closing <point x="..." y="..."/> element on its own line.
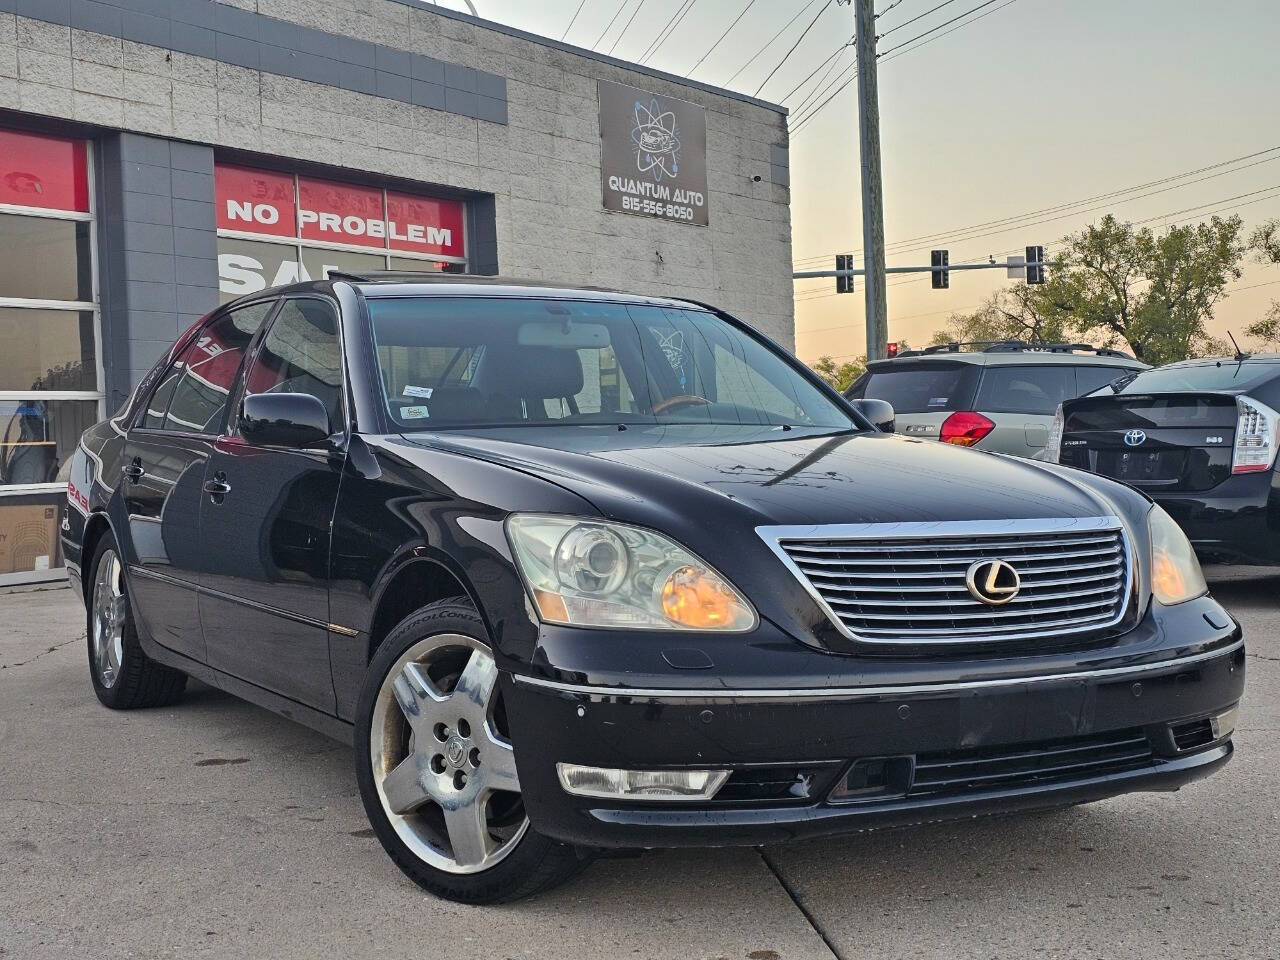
<point x="1121" y="382"/>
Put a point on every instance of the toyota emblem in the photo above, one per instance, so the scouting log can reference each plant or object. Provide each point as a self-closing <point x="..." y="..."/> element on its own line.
<point x="1135" y="438"/>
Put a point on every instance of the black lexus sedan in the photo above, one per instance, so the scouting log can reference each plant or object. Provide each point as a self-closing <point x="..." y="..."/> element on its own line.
<point x="581" y="571"/>
<point x="1200" y="438"/>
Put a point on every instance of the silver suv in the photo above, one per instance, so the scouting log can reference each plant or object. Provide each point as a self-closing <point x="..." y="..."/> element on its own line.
<point x="998" y="396"/>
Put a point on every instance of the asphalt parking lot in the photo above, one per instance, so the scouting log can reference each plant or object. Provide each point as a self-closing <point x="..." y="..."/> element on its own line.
<point x="216" y="829"/>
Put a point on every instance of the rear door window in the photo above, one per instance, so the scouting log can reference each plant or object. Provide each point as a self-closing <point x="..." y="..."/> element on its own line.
<point x="933" y="387"/>
<point x="200" y="398"/>
<point x="1031" y="389"/>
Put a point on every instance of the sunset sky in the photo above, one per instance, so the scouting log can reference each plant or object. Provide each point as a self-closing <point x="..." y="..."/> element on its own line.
<point x="1026" y="105"/>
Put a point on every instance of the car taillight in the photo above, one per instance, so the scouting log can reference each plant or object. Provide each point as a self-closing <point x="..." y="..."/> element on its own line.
<point x="965" y="428"/>
<point x="1257" y="427"/>
<point x="1053" y="447"/>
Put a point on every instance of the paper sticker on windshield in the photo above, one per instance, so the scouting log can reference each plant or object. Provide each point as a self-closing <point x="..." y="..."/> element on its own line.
<point x="423" y="392"/>
<point x="414" y="413"/>
<point x="938" y="401"/>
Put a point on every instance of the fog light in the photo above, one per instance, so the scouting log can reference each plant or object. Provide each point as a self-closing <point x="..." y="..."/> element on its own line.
<point x="1224" y="723"/>
<point x="640" y="784"/>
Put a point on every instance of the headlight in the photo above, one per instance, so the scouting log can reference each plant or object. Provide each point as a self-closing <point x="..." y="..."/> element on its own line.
<point x="590" y="573"/>
<point x="1175" y="571"/>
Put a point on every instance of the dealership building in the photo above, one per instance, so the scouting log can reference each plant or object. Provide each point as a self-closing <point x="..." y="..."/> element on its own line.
<point x="158" y="157"/>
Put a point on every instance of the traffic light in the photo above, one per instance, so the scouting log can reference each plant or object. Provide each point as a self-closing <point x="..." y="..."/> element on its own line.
<point x="1035" y="264"/>
<point x="844" y="261"/>
<point x="940" y="260"/>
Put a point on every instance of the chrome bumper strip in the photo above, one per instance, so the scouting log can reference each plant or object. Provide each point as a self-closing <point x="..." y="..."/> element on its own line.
<point x="867" y="693"/>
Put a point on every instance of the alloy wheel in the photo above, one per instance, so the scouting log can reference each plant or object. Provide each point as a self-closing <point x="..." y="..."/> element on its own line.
<point x="442" y="762"/>
<point x="109" y="618"/>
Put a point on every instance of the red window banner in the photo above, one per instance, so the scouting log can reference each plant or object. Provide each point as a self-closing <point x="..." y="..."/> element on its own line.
<point x="255" y="201"/>
<point x="341" y="213"/>
<point x="424" y="225"/>
<point x="263" y="202"/>
<point x="46" y="172"/>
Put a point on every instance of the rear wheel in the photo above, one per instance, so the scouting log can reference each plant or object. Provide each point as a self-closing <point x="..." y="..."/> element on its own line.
<point x="124" y="677"/>
<point x="436" y="767"/>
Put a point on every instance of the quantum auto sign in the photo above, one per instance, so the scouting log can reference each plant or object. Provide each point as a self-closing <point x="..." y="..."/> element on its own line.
<point x="653" y="154"/>
<point x="273" y="204"/>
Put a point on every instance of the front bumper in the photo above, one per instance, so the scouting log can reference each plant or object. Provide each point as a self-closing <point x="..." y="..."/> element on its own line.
<point x="819" y="733"/>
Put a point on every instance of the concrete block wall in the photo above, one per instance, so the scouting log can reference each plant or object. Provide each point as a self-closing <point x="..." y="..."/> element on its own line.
<point x="542" y="165"/>
<point x="157" y="250"/>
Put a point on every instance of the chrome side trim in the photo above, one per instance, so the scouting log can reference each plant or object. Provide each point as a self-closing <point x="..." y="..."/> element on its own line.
<point x="867" y="693"/>
<point x="135" y="570"/>
<point x="773" y="536"/>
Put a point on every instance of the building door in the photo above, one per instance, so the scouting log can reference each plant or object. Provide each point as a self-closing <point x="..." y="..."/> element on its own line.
<point x="265" y="588"/>
<point x="50" y="364"/>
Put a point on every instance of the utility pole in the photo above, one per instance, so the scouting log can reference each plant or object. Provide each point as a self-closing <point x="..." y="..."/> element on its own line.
<point x="864" y="23"/>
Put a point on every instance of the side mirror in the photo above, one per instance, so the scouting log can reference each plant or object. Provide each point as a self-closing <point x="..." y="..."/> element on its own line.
<point x="879" y="412"/>
<point x="284" y="420"/>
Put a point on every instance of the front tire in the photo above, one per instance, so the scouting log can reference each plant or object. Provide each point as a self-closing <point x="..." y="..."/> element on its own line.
<point x="124" y="677"/>
<point x="436" y="768"/>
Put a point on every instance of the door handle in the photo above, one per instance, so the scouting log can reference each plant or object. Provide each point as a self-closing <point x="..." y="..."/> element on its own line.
<point x="218" y="486"/>
<point x="133" y="471"/>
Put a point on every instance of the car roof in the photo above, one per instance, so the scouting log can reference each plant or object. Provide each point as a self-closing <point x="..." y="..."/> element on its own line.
<point x="389" y="283"/>
<point x="1214" y="361"/>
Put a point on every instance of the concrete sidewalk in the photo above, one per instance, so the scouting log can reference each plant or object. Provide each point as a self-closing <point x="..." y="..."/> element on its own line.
<point x="216" y="829"/>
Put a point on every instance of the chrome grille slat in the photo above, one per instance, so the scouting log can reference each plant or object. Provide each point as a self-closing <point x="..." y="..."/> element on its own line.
<point x="964" y="561"/>
<point x="904" y="583"/>
<point x="1014" y="544"/>
<point x="1020" y="598"/>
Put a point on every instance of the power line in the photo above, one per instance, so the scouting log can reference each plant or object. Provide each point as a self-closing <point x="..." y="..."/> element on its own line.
<point x="630" y="20"/>
<point x="786" y="55"/>
<point x="1014" y="220"/>
<point x="835" y="53"/>
<point x="728" y="30"/>
<point x="657" y="44"/>
<point x="768" y="43"/>
<point x="907" y="23"/>
<point x="653" y="45"/>
<point x="961" y="26"/>
<point x="804" y="110"/>
<point x="896" y="3"/>
<point x="945" y="23"/>
<point x="798" y="126"/>
<point x="573" y="19"/>
<point x="609" y="26"/>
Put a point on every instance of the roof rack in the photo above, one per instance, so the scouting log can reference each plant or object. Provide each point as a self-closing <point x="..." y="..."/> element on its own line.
<point x="1013" y="346"/>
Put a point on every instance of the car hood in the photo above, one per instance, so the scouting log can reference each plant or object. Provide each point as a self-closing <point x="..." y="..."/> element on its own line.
<point x="664" y="475"/>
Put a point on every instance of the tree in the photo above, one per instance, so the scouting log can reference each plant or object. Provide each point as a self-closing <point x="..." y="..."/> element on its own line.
<point x="1266" y="241"/>
<point x="840" y="375"/>
<point x="1010" y="314"/>
<point x="1116" y="285"/>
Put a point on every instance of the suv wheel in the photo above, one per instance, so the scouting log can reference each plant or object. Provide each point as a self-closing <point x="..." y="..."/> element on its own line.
<point x="436" y="768"/>
<point x="124" y="677"/>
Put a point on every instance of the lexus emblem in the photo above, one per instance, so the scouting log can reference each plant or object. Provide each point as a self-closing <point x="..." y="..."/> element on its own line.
<point x="993" y="582"/>
<point x="1135" y="438"/>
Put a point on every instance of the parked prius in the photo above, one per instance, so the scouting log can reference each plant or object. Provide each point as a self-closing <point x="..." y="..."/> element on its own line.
<point x="997" y="396"/>
<point x="1200" y="438"/>
<point x="580" y="571"/>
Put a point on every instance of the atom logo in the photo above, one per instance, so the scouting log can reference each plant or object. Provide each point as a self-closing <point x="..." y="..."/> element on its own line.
<point x="657" y="140"/>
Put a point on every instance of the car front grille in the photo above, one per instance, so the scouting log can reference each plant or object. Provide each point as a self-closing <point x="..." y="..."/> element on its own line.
<point x="956" y="772"/>
<point x="907" y="583"/>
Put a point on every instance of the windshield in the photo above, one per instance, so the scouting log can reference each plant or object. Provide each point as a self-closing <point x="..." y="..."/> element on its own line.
<point x="1221" y="375"/>
<point x="475" y="361"/>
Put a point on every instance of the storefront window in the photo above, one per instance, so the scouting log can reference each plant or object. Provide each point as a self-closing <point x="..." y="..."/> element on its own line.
<point x="277" y="228"/>
<point x="50" y="382"/>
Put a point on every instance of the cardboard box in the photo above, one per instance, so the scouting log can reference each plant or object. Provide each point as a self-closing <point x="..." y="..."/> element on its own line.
<point x="29" y="538"/>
